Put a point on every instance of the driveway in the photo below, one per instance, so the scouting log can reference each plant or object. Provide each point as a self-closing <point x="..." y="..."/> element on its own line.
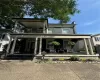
<point x="28" y="70"/>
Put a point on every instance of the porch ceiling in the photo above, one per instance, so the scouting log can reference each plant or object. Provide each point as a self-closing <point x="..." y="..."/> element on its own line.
<point x="34" y="35"/>
<point x="30" y="22"/>
<point x="33" y="24"/>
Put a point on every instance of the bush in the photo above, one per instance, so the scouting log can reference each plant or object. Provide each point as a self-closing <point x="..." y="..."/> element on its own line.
<point x="90" y="60"/>
<point x="74" y="58"/>
<point x="61" y="59"/>
<point x="83" y="60"/>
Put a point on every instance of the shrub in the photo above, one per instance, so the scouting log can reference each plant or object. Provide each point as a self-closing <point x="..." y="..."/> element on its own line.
<point x="74" y="58"/>
<point x="84" y="60"/>
<point x="61" y="59"/>
<point x="89" y="59"/>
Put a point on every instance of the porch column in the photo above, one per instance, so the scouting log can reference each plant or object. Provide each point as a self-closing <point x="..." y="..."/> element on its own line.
<point x="8" y="47"/>
<point x="13" y="46"/>
<point x="90" y="46"/>
<point x="40" y="46"/>
<point x="35" y="49"/>
<point x="86" y="48"/>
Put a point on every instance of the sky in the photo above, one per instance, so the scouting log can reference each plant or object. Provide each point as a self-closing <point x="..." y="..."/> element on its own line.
<point x="88" y="19"/>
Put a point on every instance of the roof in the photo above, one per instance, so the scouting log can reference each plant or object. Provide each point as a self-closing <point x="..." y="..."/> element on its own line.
<point x="30" y="19"/>
<point x="31" y="22"/>
<point x="96" y="35"/>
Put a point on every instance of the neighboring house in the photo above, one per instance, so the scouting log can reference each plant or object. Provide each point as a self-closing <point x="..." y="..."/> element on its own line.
<point x="96" y="42"/>
<point x="96" y="39"/>
<point x="5" y="34"/>
<point x="4" y="38"/>
<point x="36" y="34"/>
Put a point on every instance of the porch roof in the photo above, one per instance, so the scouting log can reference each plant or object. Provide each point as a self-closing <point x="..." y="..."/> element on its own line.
<point x="30" y="22"/>
<point x="42" y="35"/>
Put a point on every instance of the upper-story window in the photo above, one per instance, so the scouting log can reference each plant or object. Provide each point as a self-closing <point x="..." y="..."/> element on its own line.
<point x="50" y="31"/>
<point x="97" y="38"/>
<point x="60" y="30"/>
<point x="65" y="31"/>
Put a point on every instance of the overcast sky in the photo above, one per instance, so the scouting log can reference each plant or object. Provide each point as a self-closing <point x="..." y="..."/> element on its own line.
<point x="88" y="20"/>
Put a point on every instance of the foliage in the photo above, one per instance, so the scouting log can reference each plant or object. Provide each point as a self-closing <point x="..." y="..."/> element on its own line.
<point x="61" y="59"/>
<point x="55" y="43"/>
<point x="83" y="60"/>
<point x="8" y="10"/>
<point x="74" y="58"/>
<point x="70" y="43"/>
<point x="57" y="9"/>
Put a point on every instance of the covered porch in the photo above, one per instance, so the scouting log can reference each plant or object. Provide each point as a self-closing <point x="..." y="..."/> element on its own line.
<point x="38" y="45"/>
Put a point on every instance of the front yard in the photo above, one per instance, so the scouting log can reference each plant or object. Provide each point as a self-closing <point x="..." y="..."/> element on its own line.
<point x="28" y="70"/>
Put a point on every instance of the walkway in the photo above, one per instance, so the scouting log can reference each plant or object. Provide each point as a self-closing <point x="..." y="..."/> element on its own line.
<point x="28" y="70"/>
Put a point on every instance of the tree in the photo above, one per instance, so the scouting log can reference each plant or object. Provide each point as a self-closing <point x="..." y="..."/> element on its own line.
<point x="8" y="10"/>
<point x="57" y="9"/>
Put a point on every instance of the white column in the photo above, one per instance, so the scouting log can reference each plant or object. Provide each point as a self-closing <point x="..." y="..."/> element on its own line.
<point x="35" y="49"/>
<point x="46" y="30"/>
<point x="8" y="47"/>
<point x="13" y="46"/>
<point x="90" y="46"/>
<point x="40" y="46"/>
<point x="86" y="48"/>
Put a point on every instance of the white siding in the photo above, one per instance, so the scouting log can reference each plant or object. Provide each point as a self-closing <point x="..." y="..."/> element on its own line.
<point x="96" y="40"/>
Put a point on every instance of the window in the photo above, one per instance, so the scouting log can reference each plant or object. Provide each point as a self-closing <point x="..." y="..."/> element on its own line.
<point x="97" y="38"/>
<point x="65" y="31"/>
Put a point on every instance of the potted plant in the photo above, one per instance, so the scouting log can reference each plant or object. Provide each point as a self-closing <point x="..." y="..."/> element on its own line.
<point x="54" y="43"/>
<point x="71" y="44"/>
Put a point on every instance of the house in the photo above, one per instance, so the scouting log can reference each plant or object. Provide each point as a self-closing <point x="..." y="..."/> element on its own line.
<point x="33" y="37"/>
<point x="96" y="42"/>
<point x="96" y="39"/>
<point x="4" y="38"/>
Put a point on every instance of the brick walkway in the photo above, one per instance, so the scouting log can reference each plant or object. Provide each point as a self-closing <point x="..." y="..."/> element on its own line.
<point x="28" y="70"/>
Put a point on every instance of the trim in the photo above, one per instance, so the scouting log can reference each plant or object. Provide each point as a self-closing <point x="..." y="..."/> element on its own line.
<point x="43" y="34"/>
<point x="30" y="20"/>
<point x="95" y="35"/>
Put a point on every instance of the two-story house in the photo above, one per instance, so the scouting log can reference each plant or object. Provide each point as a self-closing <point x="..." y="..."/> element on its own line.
<point x="36" y="35"/>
